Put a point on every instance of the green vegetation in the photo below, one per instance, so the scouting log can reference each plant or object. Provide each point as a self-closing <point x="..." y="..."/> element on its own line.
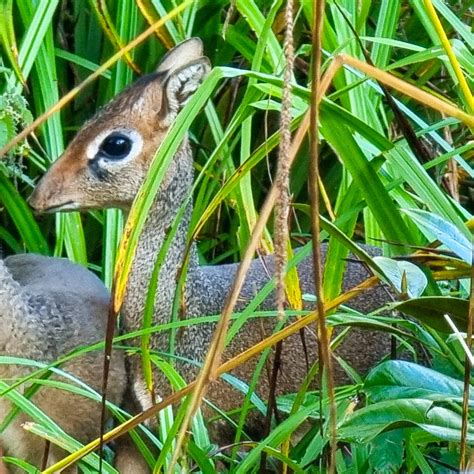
<point x="380" y="186"/>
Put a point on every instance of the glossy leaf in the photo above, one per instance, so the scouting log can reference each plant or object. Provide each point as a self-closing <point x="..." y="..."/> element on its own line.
<point x="452" y="237"/>
<point x="397" y="379"/>
<point x="400" y="271"/>
<point x="368" y="422"/>
<point x="431" y="310"/>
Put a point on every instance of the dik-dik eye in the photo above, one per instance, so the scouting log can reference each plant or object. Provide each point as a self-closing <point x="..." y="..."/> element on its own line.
<point x="116" y="146"/>
<point x="112" y="150"/>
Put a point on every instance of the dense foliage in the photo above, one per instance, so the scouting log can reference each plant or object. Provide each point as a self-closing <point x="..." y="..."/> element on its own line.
<point x="380" y="185"/>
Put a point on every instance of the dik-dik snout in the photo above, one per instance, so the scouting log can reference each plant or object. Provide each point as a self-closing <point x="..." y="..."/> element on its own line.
<point x="107" y="161"/>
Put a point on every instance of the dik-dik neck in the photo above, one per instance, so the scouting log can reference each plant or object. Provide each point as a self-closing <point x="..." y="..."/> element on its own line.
<point x="174" y="192"/>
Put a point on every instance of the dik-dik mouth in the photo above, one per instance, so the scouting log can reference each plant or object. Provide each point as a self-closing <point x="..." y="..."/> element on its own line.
<point x="66" y="206"/>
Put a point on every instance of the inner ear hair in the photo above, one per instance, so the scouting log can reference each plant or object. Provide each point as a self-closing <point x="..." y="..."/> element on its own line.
<point x="180" y="85"/>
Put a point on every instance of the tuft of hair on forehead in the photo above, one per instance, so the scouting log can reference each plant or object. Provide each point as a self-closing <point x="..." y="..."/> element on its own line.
<point x="133" y="95"/>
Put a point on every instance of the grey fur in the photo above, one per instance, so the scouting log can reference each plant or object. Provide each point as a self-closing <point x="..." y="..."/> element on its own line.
<point x="205" y="292"/>
<point x="48" y="307"/>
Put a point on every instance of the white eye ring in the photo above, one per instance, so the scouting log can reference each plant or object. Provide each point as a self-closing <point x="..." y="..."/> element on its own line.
<point x="136" y="139"/>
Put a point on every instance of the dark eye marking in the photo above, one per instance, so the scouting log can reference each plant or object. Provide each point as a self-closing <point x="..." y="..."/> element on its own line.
<point x="100" y="173"/>
<point x="115" y="146"/>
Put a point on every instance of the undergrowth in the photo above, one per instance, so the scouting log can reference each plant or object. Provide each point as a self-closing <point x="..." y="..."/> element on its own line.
<point x="409" y="194"/>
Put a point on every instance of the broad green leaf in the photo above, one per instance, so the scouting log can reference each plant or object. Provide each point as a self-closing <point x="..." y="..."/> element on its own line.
<point x="368" y="422"/>
<point x="431" y="310"/>
<point x="386" y="452"/>
<point x="447" y="233"/>
<point x="401" y="272"/>
<point x="396" y="379"/>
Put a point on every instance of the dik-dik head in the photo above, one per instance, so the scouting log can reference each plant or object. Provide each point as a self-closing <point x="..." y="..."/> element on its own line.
<point x="107" y="161"/>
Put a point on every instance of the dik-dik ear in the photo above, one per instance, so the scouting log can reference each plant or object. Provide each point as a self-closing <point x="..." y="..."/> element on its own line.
<point x="185" y="68"/>
<point x="177" y="77"/>
<point x="179" y="85"/>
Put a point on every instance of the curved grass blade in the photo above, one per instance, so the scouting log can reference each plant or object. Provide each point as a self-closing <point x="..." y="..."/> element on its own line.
<point x="22" y="217"/>
<point x="99" y="7"/>
<point x="7" y="38"/>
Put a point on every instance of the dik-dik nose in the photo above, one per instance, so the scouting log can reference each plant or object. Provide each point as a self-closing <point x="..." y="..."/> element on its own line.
<point x="60" y="188"/>
<point x="48" y="195"/>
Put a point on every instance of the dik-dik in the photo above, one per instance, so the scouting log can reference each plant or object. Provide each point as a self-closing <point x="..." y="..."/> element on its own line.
<point x="48" y="307"/>
<point x="104" y="167"/>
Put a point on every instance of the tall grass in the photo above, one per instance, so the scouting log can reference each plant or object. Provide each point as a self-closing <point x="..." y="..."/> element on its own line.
<point x="375" y="189"/>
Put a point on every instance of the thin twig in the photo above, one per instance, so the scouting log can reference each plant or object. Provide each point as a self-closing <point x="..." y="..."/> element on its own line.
<point x="282" y="208"/>
<point x="44" y="461"/>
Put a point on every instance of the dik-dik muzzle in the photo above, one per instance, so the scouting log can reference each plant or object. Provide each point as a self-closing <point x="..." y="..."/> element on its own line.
<point x="107" y="161"/>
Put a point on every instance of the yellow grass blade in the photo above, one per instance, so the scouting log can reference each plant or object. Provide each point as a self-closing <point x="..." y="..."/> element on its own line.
<point x="147" y="10"/>
<point x="405" y="88"/>
<point x="292" y="284"/>
<point x="102" y="13"/>
<point x="450" y="53"/>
